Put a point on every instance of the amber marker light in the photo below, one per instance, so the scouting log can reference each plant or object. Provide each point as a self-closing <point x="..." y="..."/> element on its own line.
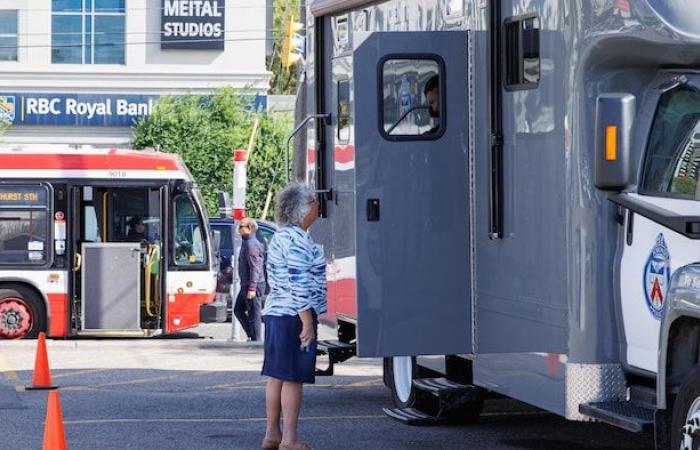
<point x="611" y="143"/>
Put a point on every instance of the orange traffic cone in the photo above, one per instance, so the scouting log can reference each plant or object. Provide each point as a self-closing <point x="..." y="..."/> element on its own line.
<point x="54" y="436"/>
<point x="42" y="374"/>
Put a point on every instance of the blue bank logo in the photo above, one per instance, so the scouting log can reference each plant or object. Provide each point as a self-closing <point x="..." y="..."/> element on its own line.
<point x="657" y="277"/>
<point x="7" y="108"/>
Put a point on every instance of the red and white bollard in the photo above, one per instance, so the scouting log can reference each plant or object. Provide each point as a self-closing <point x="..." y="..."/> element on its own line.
<point x="240" y="180"/>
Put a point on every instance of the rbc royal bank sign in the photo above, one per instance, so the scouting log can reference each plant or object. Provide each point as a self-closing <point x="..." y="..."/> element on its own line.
<point x="107" y="110"/>
<point x="192" y="24"/>
<point x="75" y="109"/>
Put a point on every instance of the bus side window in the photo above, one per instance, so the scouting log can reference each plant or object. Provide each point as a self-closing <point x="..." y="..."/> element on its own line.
<point x="24" y="224"/>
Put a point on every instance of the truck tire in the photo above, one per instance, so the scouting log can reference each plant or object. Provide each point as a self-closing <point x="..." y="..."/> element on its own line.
<point x="22" y="314"/>
<point x="685" y="425"/>
<point x="399" y="373"/>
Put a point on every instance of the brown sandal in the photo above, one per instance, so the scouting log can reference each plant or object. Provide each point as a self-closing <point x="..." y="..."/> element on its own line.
<point x="269" y="444"/>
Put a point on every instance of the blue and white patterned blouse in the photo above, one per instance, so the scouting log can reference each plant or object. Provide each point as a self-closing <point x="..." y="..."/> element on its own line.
<point x="296" y="273"/>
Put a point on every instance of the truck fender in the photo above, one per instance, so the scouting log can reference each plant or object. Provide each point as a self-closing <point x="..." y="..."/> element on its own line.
<point x="679" y="336"/>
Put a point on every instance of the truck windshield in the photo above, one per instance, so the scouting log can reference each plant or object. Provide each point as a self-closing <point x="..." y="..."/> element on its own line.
<point x="672" y="162"/>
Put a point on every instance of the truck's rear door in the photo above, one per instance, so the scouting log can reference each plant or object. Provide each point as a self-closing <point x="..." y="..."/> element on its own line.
<point x="412" y="194"/>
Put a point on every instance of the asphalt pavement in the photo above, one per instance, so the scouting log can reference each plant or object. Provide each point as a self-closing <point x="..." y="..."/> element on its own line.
<point x="203" y="392"/>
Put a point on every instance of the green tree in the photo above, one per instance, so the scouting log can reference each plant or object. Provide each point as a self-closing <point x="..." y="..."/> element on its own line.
<point x="284" y="81"/>
<point x="4" y="125"/>
<point x="205" y="130"/>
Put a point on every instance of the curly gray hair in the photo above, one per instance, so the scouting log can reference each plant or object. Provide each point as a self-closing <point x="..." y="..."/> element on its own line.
<point x="292" y="204"/>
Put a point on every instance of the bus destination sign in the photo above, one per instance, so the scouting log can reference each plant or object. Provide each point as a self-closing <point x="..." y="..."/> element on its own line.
<point x="22" y="196"/>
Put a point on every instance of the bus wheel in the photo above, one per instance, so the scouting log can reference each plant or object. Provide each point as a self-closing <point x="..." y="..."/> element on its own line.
<point x="21" y="314"/>
<point x="399" y="373"/>
<point x="685" y="428"/>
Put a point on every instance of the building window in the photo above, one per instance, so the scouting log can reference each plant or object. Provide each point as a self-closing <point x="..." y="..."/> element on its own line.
<point x="412" y="98"/>
<point x="522" y="42"/>
<point x="8" y="35"/>
<point x="672" y="162"/>
<point x="87" y="32"/>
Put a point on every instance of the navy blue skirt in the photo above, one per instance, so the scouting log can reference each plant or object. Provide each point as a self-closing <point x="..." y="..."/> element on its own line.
<point x="284" y="358"/>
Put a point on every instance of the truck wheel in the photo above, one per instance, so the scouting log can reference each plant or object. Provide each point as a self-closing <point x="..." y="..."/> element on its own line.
<point x="685" y="426"/>
<point x="22" y="315"/>
<point x="399" y="373"/>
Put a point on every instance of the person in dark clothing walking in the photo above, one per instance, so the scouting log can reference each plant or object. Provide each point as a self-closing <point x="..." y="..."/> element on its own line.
<point x="252" y="275"/>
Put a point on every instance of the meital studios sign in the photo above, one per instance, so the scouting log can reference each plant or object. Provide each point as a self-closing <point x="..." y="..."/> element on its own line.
<point x="192" y="24"/>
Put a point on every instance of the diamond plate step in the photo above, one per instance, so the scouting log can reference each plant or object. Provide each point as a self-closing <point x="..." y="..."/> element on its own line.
<point x="626" y="415"/>
<point x="643" y="396"/>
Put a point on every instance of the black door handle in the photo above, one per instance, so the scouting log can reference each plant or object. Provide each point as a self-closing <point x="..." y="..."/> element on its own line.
<point x="373" y="210"/>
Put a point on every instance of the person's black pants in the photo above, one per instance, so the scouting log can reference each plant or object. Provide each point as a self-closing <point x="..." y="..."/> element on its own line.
<point x="249" y="314"/>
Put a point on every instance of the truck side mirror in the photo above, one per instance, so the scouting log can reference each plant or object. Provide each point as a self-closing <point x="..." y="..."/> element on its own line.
<point x="613" y="140"/>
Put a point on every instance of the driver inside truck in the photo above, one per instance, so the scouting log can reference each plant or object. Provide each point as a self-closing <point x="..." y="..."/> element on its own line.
<point x="432" y="96"/>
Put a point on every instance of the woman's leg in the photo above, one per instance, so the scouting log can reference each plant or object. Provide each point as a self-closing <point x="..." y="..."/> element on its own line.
<point x="273" y="405"/>
<point x="291" y="404"/>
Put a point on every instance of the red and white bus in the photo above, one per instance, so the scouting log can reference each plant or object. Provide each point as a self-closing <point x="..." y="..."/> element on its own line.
<point x="101" y="242"/>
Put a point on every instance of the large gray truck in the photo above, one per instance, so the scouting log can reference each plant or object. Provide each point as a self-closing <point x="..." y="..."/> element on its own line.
<point x="510" y="203"/>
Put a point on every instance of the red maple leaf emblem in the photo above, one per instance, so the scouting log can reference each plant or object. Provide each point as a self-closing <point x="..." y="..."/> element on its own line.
<point x="656" y="293"/>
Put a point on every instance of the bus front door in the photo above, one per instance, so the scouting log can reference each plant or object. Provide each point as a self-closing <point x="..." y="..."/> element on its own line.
<point x="116" y="282"/>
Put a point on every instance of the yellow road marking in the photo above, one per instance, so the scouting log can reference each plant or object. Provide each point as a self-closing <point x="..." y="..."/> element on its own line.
<point x="80" y="372"/>
<point x="129" y="382"/>
<point x="213" y="420"/>
<point x="262" y="384"/>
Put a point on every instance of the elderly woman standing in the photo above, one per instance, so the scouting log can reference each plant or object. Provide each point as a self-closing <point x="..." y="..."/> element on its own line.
<point x="296" y="272"/>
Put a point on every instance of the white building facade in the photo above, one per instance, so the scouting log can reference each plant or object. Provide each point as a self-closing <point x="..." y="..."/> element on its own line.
<point x="81" y="72"/>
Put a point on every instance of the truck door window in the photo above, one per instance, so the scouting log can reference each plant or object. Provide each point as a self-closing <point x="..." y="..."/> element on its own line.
<point x="672" y="159"/>
<point x="343" y="111"/>
<point x="413" y="98"/>
<point x="24" y="228"/>
<point x="522" y="46"/>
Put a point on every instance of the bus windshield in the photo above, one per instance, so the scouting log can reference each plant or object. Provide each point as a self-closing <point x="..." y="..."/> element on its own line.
<point x="189" y="233"/>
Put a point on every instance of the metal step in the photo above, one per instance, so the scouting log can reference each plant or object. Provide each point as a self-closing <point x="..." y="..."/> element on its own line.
<point x="450" y="400"/>
<point x="643" y="396"/>
<point x="337" y="352"/>
<point x="441" y="386"/>
<point x="410" y="416"/>
<point x="626" y="415"/>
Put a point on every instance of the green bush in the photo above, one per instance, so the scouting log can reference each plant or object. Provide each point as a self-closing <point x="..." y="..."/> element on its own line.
<point x="205" y="130"/>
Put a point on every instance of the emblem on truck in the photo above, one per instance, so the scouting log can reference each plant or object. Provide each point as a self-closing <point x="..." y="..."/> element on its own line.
<point x="657" y="277"/>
